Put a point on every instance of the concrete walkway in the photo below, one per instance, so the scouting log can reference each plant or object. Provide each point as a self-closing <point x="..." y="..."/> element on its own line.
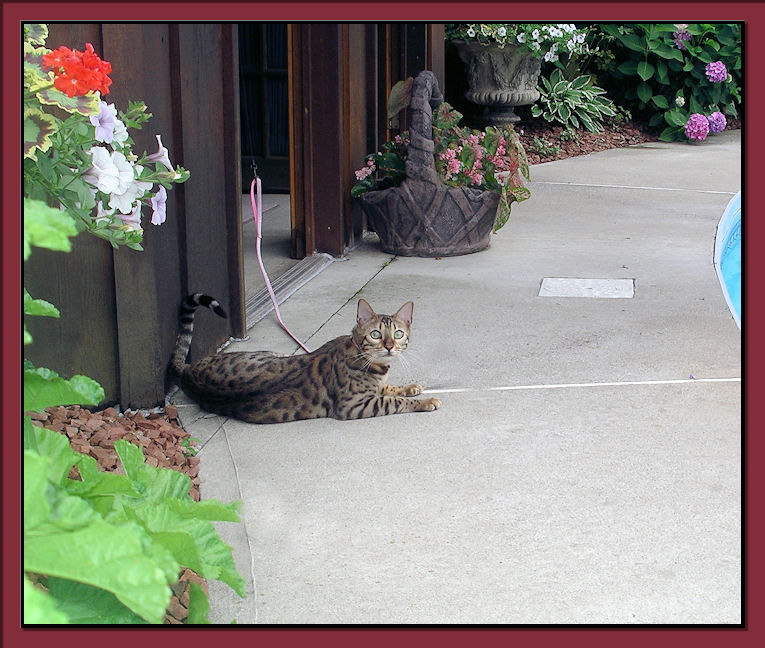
<point x="586" y="465"/>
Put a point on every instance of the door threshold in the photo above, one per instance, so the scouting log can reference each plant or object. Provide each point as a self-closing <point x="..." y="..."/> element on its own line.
<point x="259" y="304"/>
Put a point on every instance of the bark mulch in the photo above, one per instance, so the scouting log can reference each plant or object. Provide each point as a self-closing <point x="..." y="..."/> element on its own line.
<point x="164" y="442"/>
<point x="614" y="135"/>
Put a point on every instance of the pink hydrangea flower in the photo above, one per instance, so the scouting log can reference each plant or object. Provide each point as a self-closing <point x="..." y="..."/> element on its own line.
<point x="697" y="127"/>
<point x="716" y="71"/>
<point x="717" y="122"/>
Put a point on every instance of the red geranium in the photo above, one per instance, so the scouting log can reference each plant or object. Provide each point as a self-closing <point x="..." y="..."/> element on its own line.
<point x="77" y="73"/>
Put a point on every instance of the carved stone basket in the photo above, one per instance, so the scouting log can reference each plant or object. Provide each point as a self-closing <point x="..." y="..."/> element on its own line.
<point x="423" y="217"/>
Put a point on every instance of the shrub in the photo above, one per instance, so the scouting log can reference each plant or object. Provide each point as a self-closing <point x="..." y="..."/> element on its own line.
<point x="666" y="73"/>
<point x="572" y="103"/>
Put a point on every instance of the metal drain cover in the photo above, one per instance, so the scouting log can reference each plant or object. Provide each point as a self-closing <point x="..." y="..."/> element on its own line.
<point x="596" y="288"/>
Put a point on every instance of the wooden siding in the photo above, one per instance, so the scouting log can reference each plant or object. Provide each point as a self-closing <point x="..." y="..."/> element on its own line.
<point x="119" y="307"/>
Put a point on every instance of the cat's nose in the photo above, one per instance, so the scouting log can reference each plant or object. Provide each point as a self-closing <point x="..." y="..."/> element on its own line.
<point x="388" y="344"/>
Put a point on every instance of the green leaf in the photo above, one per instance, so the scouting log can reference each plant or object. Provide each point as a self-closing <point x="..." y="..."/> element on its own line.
<point x="633" y="42"/>
<point x="645" y="70"/>
<point x="193" y="543"/>
<point x="87" y="105"/>
<point x="46" y="227"/>
<point x="36" y="33"/>
<point x="39" y="307"/>
<point x="87" y="605"/>
<point x="153" y="483"/>
<point x="644" y="92"/>
<point x="36" y="505"/>
<point x="55" y="447"/>
<point x="670" y="134"/>
<point x="199" y="605"/>
<point x="675" y="118"/>
<point x="45" y="388"/>
<point x="399" y="97"/>
<point x="660" y="101"/>
<point x="39" y="607"/>
<point x="628" y="68"/>
<point x="580" y="82"/>
<point x="662" y="73"/>
<point x="563" y="113"/>
<point x="38" y="127"/>
<point x="110" y="557"/>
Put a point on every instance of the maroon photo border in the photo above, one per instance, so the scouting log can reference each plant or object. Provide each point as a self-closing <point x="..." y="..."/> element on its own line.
<point x="13" y="13"/>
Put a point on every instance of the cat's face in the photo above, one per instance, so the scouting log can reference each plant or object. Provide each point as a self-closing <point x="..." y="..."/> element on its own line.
<point x="382" y="337"/>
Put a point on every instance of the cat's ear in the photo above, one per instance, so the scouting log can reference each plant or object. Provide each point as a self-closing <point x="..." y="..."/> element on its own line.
<point x="364" y="313"/>
<point x="405" y="313"/>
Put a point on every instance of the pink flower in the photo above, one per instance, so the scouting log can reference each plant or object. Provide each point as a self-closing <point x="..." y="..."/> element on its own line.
<point x="716" y="72"/>
<point x="697" y="127"/>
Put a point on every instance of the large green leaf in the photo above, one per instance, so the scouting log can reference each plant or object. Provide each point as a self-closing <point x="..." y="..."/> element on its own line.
<point x="39" y="607"/>
<point x="153" y="483"/>
<point x="36" y="33"/>
<point x="194" y="543"/>
<point x="45" y="388"/>
<point x="86" y="604"/>
<point x="46" y="227"/>
<point x="106" y="556"/>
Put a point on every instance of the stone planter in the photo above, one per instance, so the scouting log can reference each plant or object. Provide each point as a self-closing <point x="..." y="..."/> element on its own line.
<point x="499" y="78"/>
<point x="423" y="217"/>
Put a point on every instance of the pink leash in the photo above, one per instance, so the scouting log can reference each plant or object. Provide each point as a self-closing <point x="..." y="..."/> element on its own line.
<point x="258" y="214"/>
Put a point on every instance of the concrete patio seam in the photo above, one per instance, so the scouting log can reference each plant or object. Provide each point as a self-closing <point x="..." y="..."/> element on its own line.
<point x="243" y="522"/>
<point x="629" y="383"/>
<point x="639" y="188"/>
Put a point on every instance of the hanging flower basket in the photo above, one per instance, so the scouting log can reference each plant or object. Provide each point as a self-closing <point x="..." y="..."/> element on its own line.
<point x="423" y="215"/>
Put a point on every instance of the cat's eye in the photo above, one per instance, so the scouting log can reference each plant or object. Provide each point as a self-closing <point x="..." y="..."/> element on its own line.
<point x="398" y="335"/>
<point x="375" y="335"/>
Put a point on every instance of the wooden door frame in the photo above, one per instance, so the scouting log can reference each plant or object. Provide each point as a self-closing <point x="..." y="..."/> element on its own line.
<point x="336" y="114"/>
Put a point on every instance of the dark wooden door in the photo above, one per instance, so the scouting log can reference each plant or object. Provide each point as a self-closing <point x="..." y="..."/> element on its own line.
<point x="264" y="108"/>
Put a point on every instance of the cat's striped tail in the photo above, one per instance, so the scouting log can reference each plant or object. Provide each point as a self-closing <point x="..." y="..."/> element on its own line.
<point x="186" y="327"/>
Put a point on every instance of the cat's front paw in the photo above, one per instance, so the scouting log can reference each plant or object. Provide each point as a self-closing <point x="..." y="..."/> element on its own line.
<point x="430" y="404"/>
<point x="414" y="389"/>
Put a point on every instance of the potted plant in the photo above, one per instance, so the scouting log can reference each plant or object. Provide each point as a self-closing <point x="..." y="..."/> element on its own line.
<point x="503" y="61"/>
<point x="439" y="189"/>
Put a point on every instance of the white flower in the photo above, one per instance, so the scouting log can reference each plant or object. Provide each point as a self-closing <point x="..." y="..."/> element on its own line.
<point x="680" y="101"/>
<point x="109" y="173"/>
<point x="128" y="193"/>
<point x="501" y="32"/>
<point x="535" y="34"/>
<point x="120" y="133"/>
<point x="521" y="38"/>
<point x="579" y="38"/>
<point x="471" y="32"/>
<point x="570" y="44"/>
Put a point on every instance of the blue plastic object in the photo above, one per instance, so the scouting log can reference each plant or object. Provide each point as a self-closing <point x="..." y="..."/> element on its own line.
<point x="728" y="256"/>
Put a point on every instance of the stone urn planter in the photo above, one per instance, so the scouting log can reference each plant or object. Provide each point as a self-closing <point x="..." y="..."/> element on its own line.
<point x="499" y="78"/>
<point x="422" y="216"/>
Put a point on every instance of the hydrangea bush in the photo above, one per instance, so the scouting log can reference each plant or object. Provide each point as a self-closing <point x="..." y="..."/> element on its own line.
<point x="676" y="74"/>
<point x="545" y="41"/>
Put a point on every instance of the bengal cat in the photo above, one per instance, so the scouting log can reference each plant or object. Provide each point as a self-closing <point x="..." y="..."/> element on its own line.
<point x="343" y="379"/>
